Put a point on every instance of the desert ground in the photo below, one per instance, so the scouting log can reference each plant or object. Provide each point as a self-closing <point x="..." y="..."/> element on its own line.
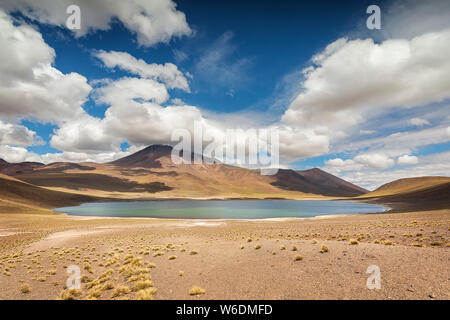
<point x="312" y="258"/>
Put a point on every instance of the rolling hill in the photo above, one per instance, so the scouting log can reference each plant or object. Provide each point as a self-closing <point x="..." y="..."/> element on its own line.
<point x="407" y="185"/>
<point x="17" y="168"/>
<point x="316" y="181"/>
<point x="413" y="193"/>
<point x="18" y="196"/>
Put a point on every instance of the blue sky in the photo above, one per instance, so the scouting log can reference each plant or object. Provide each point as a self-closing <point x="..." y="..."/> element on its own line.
<point x="311" y="69"/>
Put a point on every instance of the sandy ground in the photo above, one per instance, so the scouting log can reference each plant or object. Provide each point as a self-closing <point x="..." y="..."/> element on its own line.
<point x="229" y="259"/>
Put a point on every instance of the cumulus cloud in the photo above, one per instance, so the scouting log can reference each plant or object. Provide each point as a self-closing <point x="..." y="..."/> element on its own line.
<point x="375" y="160"/>
<point x="419" y="122"/>
<point x="134" y="115"/>
<point x="17" y="154"/>
<point x="363" y="132"/>
<point x="167" y="73"/>
<point x="407" y="160"/>
<point x="29" y="86"/>
<point x="437" y="164"/>
<point x="298" y="143"/>
<point x="127" y="89"/>
<point x="152" y="21"/>
<point x="18" y="135"/>
<point x="400" y="141"/>
<point x="69" y="156"/>
<point x="394" y="73"/>
<point x="365" y="160"/>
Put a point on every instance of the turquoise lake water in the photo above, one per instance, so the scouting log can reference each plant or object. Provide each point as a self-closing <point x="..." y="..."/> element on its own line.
<point x="216" y="209"/>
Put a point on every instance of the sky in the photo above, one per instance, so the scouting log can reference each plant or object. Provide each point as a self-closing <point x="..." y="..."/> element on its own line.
<point x="370" y="106"/>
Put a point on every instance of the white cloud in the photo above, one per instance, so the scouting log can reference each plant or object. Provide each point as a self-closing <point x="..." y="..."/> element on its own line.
<point x="375" y="160"/>
<point x="167" y="73"/>
<point x="152" y="21"/>
<point x="430" y="165"/>
<point x="134" y="115"/>
<point x="17" y="154"/>
<point x="364" y="132"/>
<point x="177" y="101"/>
<point x="98" y="157"/>
<point x="84" y="135"/>
<point x="409" y="18"/>
<point x="360" y="162"/>
<point x="419" y="122"/>
<point x="29" y="86"/>
<point x="394" y="73"/>
<point x="298" y="143"/>
<point x="18" y="135"/>
<point x="407" y="160"/>
<point x="128" y="89"/>
<point x="400" y="141"/>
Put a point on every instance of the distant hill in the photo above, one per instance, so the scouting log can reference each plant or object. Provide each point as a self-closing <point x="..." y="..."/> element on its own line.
<point x="407" y="185"/>
<point x="18" y="193"/>
<point x="421" y="193"/>
<point x="316" y="181"/>
<point x="150" y="173"/>
<point x="17" y="168"/>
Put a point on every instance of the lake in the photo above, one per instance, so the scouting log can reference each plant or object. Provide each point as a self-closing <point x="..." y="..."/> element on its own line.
<point x="217" y="209"/>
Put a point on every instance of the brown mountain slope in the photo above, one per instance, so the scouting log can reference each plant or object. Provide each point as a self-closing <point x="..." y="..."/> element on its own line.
<point x="15" y="193"/>
<point x="316" y="181"/>
<point x="17" y="168"/>
<point x="150" y="173"/>
<point x="145" y="158"/>
<point x="421" y="193"/>
<point x="407" y="185"/>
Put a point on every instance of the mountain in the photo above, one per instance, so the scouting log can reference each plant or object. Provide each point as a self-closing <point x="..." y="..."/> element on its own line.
<point x="408" y="185"/>
<point x="16" y="168"/>
<point x="150" y="173"/>
<point x="316" y="181"/>
<point x="145" y="158"/>
<point x="17" y="196"/>
<point x="421" y="193"/>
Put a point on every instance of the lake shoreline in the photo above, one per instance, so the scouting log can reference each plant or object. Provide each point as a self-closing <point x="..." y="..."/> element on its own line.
<point x="221" y="210"/>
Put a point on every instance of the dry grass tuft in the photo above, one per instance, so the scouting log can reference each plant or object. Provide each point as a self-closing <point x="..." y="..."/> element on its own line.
<point x="142" y="284"/>
<point x="121" y="291"/>
<point x="70" y="294"/>
<point x="25" y="288"/>
<point x="298" y="257"/>
<point x="196" y="291"/>
<point x="145" y="294"/>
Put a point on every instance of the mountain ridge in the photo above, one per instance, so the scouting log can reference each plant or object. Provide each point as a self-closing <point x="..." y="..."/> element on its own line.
<point x="150" y="172"/>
